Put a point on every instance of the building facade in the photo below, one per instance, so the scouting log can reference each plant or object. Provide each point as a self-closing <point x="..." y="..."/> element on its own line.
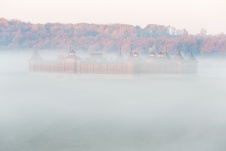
<point x="97" y="64"/>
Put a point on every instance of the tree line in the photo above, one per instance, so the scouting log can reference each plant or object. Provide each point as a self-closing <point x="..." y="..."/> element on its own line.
<point x="15" y="34"/>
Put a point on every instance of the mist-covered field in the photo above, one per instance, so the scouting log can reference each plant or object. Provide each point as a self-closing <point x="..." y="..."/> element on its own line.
<point x="69" y="112"/>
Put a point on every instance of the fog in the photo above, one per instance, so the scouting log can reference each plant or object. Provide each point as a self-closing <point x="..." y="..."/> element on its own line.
<point x="68" y="112"/>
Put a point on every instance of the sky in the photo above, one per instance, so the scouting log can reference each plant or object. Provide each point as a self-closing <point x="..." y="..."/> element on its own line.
<point x="192" y="15"/>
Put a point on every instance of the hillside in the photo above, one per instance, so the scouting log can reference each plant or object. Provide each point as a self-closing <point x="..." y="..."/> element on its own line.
<point x="15" y="34"/>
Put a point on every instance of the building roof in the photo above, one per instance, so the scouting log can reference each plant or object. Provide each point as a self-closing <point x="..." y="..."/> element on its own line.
<point x="135" y="54"/>
<point x="179" y="57"/>
<point x="191" y="57"/>
<point x="160" y="55"/>
<point x="72" y="55"/>
<point x="36" y="56"/>
<point x="151" y="56"/>
<point x="167" y="56"/>
<point x="72" y="52"/>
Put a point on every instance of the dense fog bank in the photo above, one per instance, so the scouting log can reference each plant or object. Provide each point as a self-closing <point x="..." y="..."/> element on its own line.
<point x="111" y="112"/>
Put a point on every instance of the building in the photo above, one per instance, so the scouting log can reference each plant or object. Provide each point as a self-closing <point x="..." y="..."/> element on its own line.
<point x="97" y="64"/>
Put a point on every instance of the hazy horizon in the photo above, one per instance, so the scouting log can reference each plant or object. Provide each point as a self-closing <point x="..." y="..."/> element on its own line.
<point x="192" y="15"/>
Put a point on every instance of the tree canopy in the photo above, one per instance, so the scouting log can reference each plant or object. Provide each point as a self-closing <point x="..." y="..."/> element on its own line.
<point x="15" y="34"/>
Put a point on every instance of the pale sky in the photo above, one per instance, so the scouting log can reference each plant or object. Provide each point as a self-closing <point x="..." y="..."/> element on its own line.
<point x="189" y="14"/>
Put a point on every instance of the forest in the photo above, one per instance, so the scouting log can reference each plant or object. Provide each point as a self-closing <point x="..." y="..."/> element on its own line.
<point x="109" y="38"/>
